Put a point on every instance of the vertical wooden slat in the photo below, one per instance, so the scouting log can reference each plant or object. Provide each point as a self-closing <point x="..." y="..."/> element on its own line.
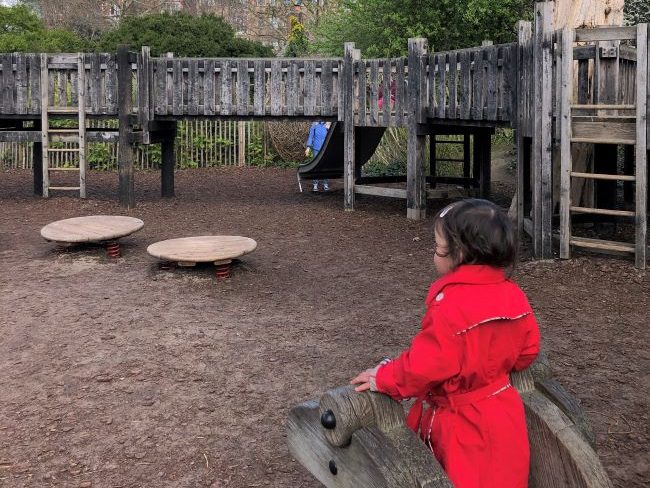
<point x="95" y="82"/>
<point x="465" y="111"/>
<point x="508" y="70"/>
<point x="111" y="84"/>
<point x="218" y="86"/>
<point x="21" y="84"/>
<point x="642" y="77"/>
<point x="259" y="90"/>
<point x="61" y="88"/>
<point x="432" y="89"/>
<point x="400" y="98"/>
<point x="477" y="84"/>
<point x="374" y="92"/>
<point x="452" y="82"/>
<point x="243" y="85"/>
<point x="292" y="87"/>
<point x="160" y="75"/>
<point x="276" y="87"/>
<point x="35" y="84"/>
<point x="310" y="87"/>
<point x="491" y="84"/>
<point x="208" y="87"/>
<point x="441" y="63"/>
<point x="125" y="150"/>
<point x="361" y="77"/>
<point x="193" y="85"/>
<point x="7" y="86"/>
<point x="327" y="87"/>
<point x="177" y="87"/>
<point x="523" y="39"/>
<point x="386" y="95"/>
<point x="185" y="88"/>
<point x="226" y="87"/>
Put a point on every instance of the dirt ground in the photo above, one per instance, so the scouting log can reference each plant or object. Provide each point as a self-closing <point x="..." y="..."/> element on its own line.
<point x="115" y="373"/>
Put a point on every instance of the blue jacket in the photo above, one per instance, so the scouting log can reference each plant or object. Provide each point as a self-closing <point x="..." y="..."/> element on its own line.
<point x="317" y="135"/>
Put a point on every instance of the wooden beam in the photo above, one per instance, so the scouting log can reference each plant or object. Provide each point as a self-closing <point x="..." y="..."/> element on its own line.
<point x="168" y="161"/>
<point x="347" y="91"/>
<point x="125" y="146"/>
<point x="642" y="77"/>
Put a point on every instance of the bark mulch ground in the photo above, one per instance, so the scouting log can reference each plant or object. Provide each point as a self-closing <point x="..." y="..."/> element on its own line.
<point x="115" y="373"/>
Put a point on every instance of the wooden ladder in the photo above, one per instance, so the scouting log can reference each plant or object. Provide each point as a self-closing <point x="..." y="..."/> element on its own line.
<point x="627" y="129"/>
<point x="62" y="110"/>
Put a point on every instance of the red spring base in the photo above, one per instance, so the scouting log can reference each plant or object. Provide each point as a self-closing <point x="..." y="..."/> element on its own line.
<point x="223" y="270"/>
<point x="113" y="250"/>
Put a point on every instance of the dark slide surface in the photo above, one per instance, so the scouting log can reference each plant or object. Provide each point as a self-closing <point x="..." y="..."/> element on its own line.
<point x="328" y="163"/>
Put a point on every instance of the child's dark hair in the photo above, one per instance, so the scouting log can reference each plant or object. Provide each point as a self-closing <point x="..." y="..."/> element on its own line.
<point x="478" y="232"/>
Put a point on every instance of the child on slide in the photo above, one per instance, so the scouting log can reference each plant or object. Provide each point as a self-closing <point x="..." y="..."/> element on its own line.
<point x="478" y="328"/>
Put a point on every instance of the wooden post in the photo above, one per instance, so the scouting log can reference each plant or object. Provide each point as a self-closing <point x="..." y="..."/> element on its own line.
<point x="145" y="90"/>
<point x="37" y="162"/>
<point x="168" y="160"/>
<point x="524" y="29"/>
<point x="565" y="140"/>
<point x="485" y="162"/>
<point x="125" y="144"/>
<point x="642" y="77"/>
<point x="347" y="90"/>
<point x="542" y="135"/>
<point x="416" y="195"/>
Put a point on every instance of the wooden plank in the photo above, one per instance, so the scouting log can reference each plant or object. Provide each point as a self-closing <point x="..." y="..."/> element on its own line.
<point x="641" y="154"/>
<point x="21" y="84"/>
<point x="226" y="87"/>
<point x="95" y="84"/>
<point x="465" y="85"/>
<point x="144" y="87"/>
<point x="160" y="74"/>
<point x="111" y="85"/>
<point x="400" y="95"/>
<point x="276" y="87"/>
<point x="386" y="93"/>
<point x="81" y="122"/>
<point x="185" y="88"/>
<point x="34" y="63"/>
<point x="347" y="89"/>
<point x="477" y="84"/>
<point x="74" y="87"/>
<point x="362" y="91"/>
<point x="431" y="88"/>
<point x="452" y="113"/>
<point x="599" y="244"/>
<point x="509" y="94"/>
<point x="62" y="88"/>
<point x="193" y="87"/>
<point x="610" y="131"/>
<point x="441" y="66"/>
<point x="416" y="201"/>
<point x="218" y="85"/>
<point x="374" y="92"/>
<point x="598" y="176"/>
<point x="293" y="88"/>
<point x="380" y="191"/>
<point x="310" y="88"/>
<point x="125" y="147"/>
<point x="243" y="87"/>
<point x="177" y="87"/>
<point x="327" y="88"/>
<point x="45" y="174"/>
<point x="209" y="106"/>
<point x="566" y="166"/>
<point x="491" y="83"/>
<point x="606" y="34"/>
<point x="602" y="211"/>
<point x="258" y="87"/>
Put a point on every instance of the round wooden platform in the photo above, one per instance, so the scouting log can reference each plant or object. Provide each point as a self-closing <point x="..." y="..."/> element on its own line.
<point x="202" y="249"/>
<point x="93" y="228"/>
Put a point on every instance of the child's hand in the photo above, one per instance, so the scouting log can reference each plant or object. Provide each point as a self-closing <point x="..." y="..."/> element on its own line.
<point x="364" y="379"/>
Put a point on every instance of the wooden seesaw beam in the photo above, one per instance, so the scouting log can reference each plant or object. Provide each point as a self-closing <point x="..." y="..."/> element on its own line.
<point x="360" y="440"/>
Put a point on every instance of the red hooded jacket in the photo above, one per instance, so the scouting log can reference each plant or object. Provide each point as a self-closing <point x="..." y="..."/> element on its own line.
<point x="478" y="327"/>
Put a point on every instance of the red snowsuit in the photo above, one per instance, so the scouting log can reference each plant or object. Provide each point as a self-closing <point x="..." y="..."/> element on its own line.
<point x="478" y="327"/>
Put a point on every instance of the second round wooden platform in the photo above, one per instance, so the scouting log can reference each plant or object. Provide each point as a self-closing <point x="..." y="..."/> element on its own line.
<point x="92" y="228"/>
<point x="202" y="249"/>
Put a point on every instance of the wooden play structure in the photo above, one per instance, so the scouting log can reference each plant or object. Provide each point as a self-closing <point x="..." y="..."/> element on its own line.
<point x="99" y="229"/>
<point x="349" y="440"/>
<point x="188" y="251"/>
<point x="562" y="90"/>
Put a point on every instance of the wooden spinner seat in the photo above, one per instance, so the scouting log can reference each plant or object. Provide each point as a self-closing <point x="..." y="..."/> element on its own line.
<point x="102" y="229"/>
<point x="187" y="251"/>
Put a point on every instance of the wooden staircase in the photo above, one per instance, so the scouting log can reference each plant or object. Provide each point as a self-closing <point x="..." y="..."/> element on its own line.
<point x="620" y="124"/>
<point x="63" y="108"/>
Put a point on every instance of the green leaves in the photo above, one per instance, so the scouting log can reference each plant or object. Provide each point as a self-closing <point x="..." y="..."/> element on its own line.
<point x="381" y="28"/>
<point x="206" y="35"/>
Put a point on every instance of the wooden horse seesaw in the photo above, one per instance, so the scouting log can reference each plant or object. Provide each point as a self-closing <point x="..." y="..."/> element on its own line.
<point x="360" y="440"/>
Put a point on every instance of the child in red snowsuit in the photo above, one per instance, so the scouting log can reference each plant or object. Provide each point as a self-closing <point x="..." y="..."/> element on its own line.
<point x="478" y="327"/>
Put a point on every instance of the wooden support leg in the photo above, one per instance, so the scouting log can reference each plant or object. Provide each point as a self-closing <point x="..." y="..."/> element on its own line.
<point x="485" y="158"/>
<point x="37" y="162"/>
<point x="416" y="195"/>
<point x="125" y="145"/>
<point x="168" y="161"/>
<point x="433" y="170"/>
<point x="467" y="161"/>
